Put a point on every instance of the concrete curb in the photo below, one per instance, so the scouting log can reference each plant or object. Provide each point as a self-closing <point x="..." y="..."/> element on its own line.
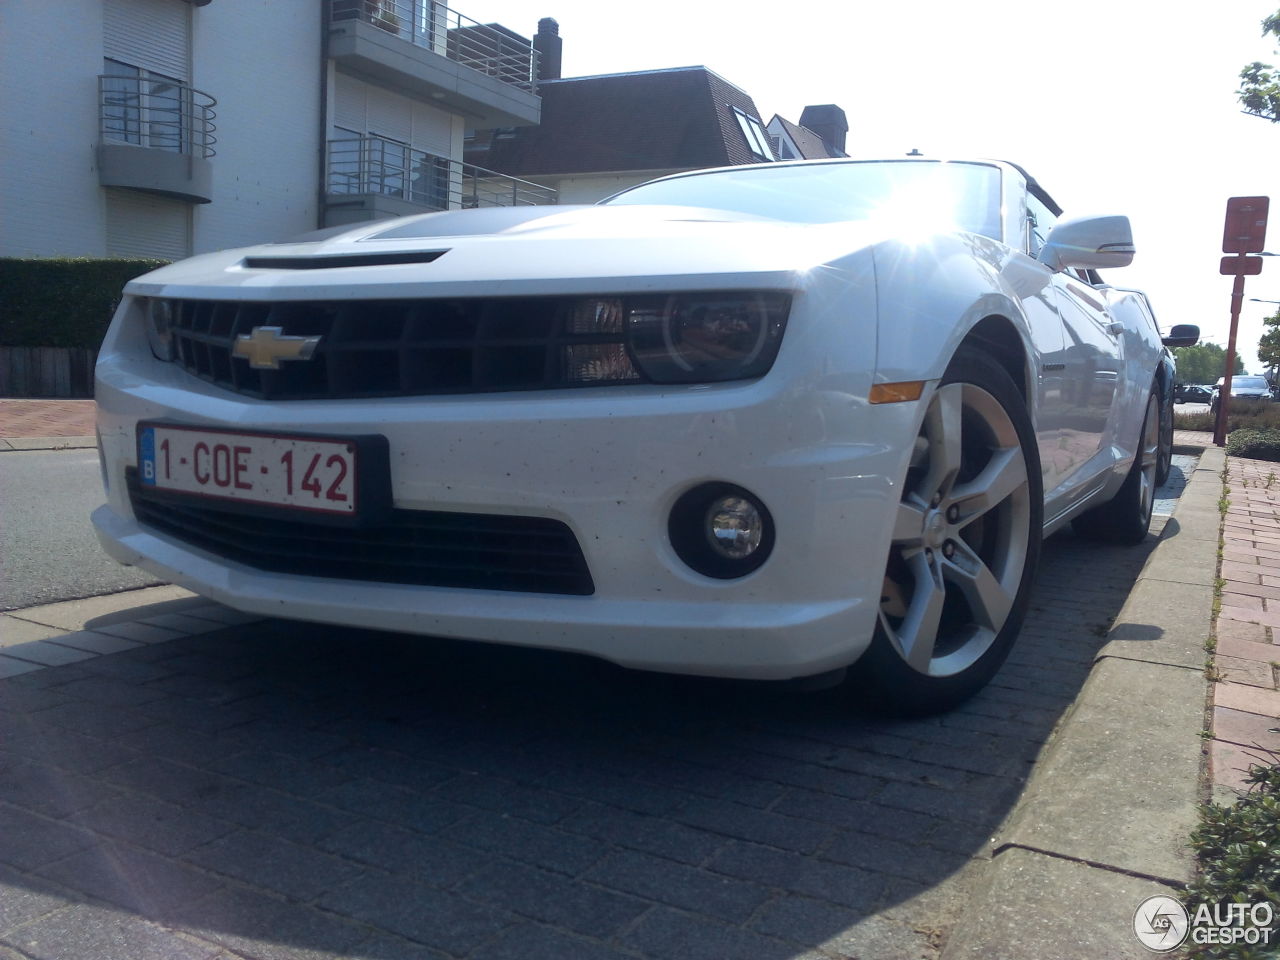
<point x="46" y="443"/>
<point x="1105" y="818"/>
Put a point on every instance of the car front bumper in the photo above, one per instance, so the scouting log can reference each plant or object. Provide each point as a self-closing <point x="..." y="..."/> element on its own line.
<point x="609" y="463"/>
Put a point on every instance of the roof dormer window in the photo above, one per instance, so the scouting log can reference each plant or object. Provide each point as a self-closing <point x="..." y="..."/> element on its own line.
<point x="753" y="131"/>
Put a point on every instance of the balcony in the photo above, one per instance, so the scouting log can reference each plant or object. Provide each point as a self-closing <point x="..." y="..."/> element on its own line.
<point x="156" y="135"/>
<point x="370" y="178"/>
<point x="483" y="72"/>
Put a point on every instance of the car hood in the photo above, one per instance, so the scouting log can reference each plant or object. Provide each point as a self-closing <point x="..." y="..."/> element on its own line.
<point x="515" y="250"/>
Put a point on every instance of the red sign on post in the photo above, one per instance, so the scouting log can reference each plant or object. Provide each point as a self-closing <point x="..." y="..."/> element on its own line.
<point x="1241" y="266"/>
<point x="1246" y="227"/>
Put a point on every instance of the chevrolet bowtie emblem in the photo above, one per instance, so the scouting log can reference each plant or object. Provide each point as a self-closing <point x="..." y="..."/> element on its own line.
<point x="265" y="347"/>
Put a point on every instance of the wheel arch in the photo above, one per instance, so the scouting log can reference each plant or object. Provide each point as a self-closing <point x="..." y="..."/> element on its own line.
<point x="999" y="338"/>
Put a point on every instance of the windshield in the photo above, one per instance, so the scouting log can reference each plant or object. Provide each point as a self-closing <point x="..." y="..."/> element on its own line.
<point x="1248" y="383"/>
<point x="910" y="193"/>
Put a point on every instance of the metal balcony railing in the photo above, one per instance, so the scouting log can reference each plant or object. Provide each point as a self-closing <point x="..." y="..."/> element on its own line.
<point x="372" y="165"/>
<point x="488" y="48"/>
<point x="156" y="112"/>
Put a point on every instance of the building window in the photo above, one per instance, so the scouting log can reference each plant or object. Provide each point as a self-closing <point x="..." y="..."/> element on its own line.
<point x="142" y="107"/>
<point x="753" y="131"/>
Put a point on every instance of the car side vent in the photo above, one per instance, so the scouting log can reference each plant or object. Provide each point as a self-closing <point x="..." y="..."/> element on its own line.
<point x="344" y="260"/>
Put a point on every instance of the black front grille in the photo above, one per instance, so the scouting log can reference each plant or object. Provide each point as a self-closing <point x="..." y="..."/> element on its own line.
<point x="431" y="548"/>
<point x="387" y="348"/>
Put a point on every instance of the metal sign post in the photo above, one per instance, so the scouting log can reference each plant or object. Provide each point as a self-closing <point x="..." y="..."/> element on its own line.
<point x="1245" y="232"/>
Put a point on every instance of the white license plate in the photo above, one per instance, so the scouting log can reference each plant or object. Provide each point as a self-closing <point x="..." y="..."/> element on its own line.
<point x="298" y="472"/>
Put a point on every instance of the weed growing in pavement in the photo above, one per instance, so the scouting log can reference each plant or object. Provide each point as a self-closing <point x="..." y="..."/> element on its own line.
<point x="1236" y="858"/>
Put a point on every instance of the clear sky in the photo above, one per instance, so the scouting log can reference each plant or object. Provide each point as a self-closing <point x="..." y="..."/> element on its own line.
<point x="1125" y="106"/>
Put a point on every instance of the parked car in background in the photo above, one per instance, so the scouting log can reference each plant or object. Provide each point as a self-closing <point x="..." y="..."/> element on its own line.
<point x="1192" y="393"/>
<point x="789" y="420"/>
<point x="1246" y="391"/>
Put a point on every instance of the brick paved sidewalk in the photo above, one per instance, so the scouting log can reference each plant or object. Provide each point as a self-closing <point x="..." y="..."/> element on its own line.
<point x="31" y="419"/>
<point x="1246" y="696"/>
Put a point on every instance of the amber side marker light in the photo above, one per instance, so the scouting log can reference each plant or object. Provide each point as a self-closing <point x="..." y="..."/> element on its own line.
<point x="897" y="392"/>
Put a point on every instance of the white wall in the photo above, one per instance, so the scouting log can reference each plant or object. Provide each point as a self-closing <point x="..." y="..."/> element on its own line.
<point x="590" y="188"/>
<point x="50" y="201"/>
<point x="261" y="60"/>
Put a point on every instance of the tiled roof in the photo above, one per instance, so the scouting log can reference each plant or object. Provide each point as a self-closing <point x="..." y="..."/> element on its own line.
<point x="810" y="145"/>
<point x="652" y="120"/>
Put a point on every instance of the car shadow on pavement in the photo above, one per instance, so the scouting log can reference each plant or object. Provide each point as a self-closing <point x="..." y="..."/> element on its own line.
<point x="287" y="790"/>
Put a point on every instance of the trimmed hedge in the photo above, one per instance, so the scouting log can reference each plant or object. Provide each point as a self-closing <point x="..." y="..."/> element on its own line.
<point x="1253" y="443"/>
<point x="1260" y="416"/>
<point x="62" y="302"/>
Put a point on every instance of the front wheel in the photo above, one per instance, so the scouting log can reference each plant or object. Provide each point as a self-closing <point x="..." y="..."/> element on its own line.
<point x="1127" y="516"/>
<point x="1164" y="461"/>
<point x="966" y="541"/>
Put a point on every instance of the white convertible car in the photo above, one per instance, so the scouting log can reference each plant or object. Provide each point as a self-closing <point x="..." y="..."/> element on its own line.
<point x="770" y="422"/>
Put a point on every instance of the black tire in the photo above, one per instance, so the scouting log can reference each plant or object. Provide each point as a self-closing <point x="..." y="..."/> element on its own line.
<point x="1126" y="517"/>
<point x="1165" y="462"/>
<point x="965" y="547"/>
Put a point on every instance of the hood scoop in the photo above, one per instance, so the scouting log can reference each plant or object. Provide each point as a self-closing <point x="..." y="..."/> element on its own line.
<point x="343" y="260"/>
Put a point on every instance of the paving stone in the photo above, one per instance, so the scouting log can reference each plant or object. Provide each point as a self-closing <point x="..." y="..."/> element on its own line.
<point x="220" y="614"/>
<point x="302" y="778"/>
<point x="544" y="847"/>
<point x="139" y="632"/>
<point x="1246" y="729"/>
<point x="288" y="868"/>
<point x="1247" y="671"/>
<point x="163" y="827"/>
<point x="667" y="933"/>
<point x="834" y="882"/>
<point x="92" y="642"/>
<point x="1239" y="696"/>
<point x="142" y="883"/>
<point x="1230" y="763"/>
<point x="405" y="808"/>
<point x="911" y="860"/>
<point x="745" y="823"/>
<point x="436" y="918"/>
<point x="707" y="893"/>
<point x="553" y="899"/>
<point x="839" y="931"/>
<point x="183" y="624"/>
<point x="166" y="780"/>
<point x="73" y="752"/>
<point x="12" y="667"/>
<point x="427" y="860"/>
<point x="261" y="927"/>
<point x="28" y="841"/>
<point x="276" y="813"/>
<point x="828" y="810"/>
<point x="658" y="836"/>
<point x="45" y="789"/>
<point x="533" y="942"/>
<point x="46" y="653"/>
<point x="96" y="719"/>
<point x="89" y="931"/>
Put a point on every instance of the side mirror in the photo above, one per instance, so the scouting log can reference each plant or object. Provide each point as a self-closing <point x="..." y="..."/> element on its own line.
<point x="1182" y="335"/>
<point x="1089" y="242"/>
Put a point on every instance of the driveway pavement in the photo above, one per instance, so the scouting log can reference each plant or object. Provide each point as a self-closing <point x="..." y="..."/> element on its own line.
<point x="186" y="781"/>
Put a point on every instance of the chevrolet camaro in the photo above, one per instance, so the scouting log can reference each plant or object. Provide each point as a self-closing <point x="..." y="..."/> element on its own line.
<point x="782" y="421"/>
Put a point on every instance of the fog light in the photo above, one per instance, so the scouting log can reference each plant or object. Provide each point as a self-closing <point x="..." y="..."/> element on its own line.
<point x="734" y="527"/>
<point x="721" y="530"/>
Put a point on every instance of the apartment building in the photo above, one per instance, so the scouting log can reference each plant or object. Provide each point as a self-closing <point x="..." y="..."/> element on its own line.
<point x="165" y="128"/>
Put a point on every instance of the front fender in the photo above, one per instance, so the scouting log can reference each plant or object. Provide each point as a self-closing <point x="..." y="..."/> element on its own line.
<point x="929" y="297"/>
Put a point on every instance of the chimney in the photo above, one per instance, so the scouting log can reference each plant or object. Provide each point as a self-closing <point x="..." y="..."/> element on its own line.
<point x="547" y="42"/>
<point x="827" y="121"/>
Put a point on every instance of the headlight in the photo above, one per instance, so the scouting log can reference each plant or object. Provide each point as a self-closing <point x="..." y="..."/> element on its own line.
<point x="705" y="337"/>
<point x="159" y="319"/>
<point x="675" y="338"/>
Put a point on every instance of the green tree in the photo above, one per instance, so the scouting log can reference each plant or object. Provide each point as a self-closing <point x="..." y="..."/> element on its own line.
<point x="1269" y="345"/>
<point x="1203" y="363"/>
<point x="1259" y="91"/>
